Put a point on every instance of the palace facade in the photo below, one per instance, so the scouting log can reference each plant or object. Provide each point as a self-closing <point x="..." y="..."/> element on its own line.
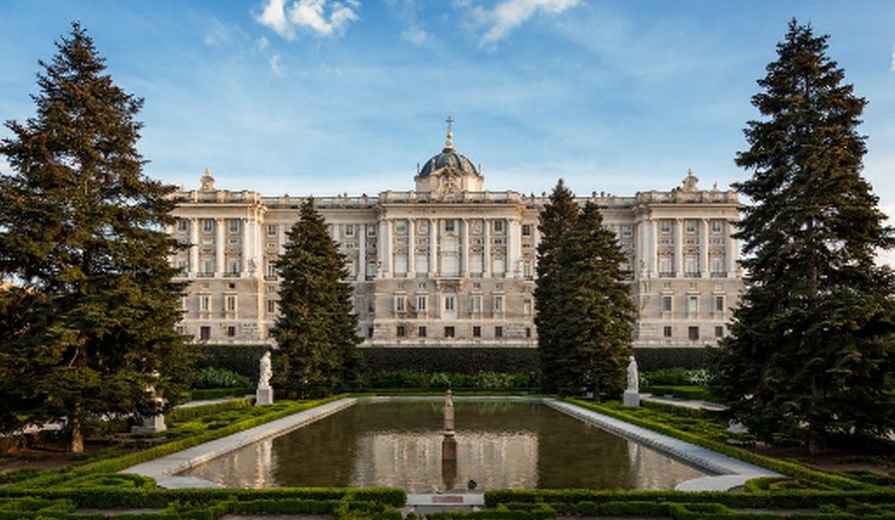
<point x="452" y="264"/>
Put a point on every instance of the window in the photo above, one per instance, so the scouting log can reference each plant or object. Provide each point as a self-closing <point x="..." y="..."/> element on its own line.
<point x="526" y="270"/>
<point x="208" y="267"/>
<point x="665" y="226"/>
<point x="717" y="266"/>
<point x="207" y="225"/>
<point x="526" y="230"/>
<point x="231" y="331"/>
<point x="233" y="225"/>
<point x="449" y="332"/>
<point x="717" y="226"/>
<point x="719" y="331"/>
<point x="400" y="332"/>
<point x="719" y="304"/>
<point x="271" y="229"/>
<point x="527" y="332"/>
<point x="401" y="226"/>
<point x="231" y="302"/>
<point x="666" y="303"/>
<point x="234" y="267"/>
<point x="498" y="226"/>
<point x="448" y="303"/>
<point x="498" y="304"/>
<point x="271" y="306"/>
<point x="204" y="333"/>
<point x="476" y="331"/>
<point x="691" y="266"/>
<point x="690" y="227"/>
<point x="421" y="302"/>
<point x="449" y="225"/>
<point x="205" y="303"/>
<point x="421" y="332"/>
<point x="182" y="224"/>
<point x="665" y="266"/>
<point x="693" y="333"/>
<point x="369" y="332"/>
<point x="399" y="303"/>
<point x="627" y="230"/>
<point x="476" y="303"/>
<point x="271" y="269"/>
<point x="693" y="304"/>
<point x="371" y="230"/>
<point x="526" y="307"/>
<point x="666" y="331"/>
<point x="498" y="331"/>
<point x="348" y="230"/>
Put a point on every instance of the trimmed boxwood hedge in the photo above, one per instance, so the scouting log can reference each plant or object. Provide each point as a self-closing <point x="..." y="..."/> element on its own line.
<point x="243" y="359"/>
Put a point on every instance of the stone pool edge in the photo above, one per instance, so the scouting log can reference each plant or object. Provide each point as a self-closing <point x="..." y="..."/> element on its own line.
<point x="731" y="472"/>
<point x="164" y="469"/>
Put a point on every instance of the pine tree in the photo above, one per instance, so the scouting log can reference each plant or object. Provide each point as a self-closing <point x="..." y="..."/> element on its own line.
<point x="89" y="321"/>
<point x="596" y="315"/>
<point x="316" y="330"/>
<point x="592" y="312"/>
<point x="556" y="218"/>
<point x="811" y="345"/>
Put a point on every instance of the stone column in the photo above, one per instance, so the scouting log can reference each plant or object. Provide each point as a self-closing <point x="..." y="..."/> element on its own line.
<point x="385" y="249"/>
<point x="247" y="247"/>
<point x="654" y="249"/>
<point x="220" y="266"/>
<point x="411" y="249"/>
<point x="433" y="247"/>
<point x="731" y="252"/>
<point x="361" y="263"/>
<point x="194" y="247"/>
<point x="704" y="249"/>
<point x="464" y="247"/>
<point x="514" y="248"/>
<point x="678" y="234"/>
<point x="486" y="258"/>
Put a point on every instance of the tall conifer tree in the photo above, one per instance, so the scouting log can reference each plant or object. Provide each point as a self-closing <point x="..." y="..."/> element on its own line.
<point x="811" y="345"/>
<point x="316" y="330"/>
<point x="88" y="323"/>
<point x="557" y="217"/>
<point x="594" y="315"/>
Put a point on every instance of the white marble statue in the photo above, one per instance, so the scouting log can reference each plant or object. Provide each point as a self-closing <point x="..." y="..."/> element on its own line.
<point x="264" y="371"/>
<point x="633" y="376"/>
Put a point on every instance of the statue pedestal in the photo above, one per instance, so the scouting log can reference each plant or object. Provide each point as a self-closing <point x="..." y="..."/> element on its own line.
<point x="631" y="398"/>
<point x="263" y="396"/>
<point x="152" y="424"/>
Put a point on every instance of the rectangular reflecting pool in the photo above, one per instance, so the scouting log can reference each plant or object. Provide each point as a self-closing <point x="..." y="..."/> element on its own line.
<point x="499" y="445"/>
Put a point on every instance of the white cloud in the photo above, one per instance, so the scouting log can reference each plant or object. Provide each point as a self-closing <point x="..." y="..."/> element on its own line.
<point x="321" y="17"/>
<point x="274" y="16"/>
<point x="262" y="43"/>
<point x="893" y="57"/>
<point x="415" y="35"/>
<point x="510" y="14"/>
<point x="276" y="66"/>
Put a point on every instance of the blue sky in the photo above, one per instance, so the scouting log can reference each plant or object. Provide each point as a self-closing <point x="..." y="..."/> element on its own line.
<point x="324" y="97"/>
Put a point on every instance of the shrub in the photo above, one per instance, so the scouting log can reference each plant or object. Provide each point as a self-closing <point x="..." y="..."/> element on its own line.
<point x="211" y="377"/>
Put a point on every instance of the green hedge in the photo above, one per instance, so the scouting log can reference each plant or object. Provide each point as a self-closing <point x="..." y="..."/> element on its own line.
<point x="691" y="392"/>
<point x="241" y="359"/>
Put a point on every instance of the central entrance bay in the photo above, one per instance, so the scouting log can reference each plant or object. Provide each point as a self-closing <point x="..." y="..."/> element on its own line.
<point x="500" y="445"/>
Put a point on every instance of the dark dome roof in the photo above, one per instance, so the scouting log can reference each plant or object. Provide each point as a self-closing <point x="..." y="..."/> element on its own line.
<point x="448" y="158"/>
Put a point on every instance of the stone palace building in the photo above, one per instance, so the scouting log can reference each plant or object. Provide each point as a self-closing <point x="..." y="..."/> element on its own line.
<point x="452" y="264"/>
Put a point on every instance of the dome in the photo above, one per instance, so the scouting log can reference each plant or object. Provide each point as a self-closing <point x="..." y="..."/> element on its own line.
<point x="449" y="158"/>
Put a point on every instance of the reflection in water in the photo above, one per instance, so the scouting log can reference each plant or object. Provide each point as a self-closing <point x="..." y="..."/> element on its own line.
<point x="499" y="445"/>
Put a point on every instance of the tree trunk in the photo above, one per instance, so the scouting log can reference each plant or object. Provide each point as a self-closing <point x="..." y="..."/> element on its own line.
<point x="817" y="442"/>
<point x="76" y="439"/>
